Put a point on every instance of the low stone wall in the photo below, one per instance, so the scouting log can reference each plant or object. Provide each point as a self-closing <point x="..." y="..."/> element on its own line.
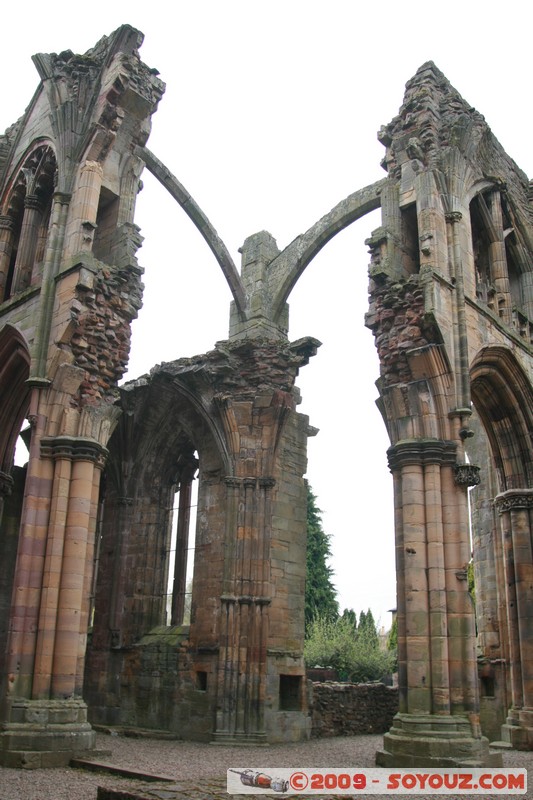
<point x="346" y="709"/>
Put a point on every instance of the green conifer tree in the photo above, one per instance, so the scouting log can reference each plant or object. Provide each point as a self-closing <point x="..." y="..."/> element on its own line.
<point x="367" y="630"/>
<point x="320" y="594"/>
<point x="350" y="615"/>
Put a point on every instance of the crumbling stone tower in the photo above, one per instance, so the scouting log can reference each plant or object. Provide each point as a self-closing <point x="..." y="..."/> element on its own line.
<point x="69" y="287"/>
<point x="86" y="528"/>
<point x="451" y="305"/>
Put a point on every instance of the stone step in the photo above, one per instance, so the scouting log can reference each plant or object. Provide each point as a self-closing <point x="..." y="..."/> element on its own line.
<point x="500" y="745"/>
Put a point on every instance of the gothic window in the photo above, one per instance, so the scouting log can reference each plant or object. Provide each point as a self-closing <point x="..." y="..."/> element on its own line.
<point x="106" y="224"/>
<point x="517" y="261"/>
<point x="410" y="241"/>
<point x="181" y="548"/>
<point x="481" y="248"/>
<point x="25" y="222"/>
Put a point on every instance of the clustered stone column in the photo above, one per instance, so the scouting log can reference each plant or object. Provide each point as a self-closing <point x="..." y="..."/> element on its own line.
<point x="50" y="614"/>
<point x="244" y="623"/>
<point x="515" y="508"/>
<point x="7" y="236"/>
<point x="182" y="540"/>
<point x="438" y="720"/>
<point x="28" y="242"/>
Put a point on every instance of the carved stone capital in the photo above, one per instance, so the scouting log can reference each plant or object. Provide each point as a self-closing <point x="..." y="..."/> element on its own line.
<point x="453" y="217"/>
<point x="228" y="599"/>
<point x="74" y="448"/>
<point x="6" y="484"/>
<point x="422" y="452"/>
<point x="267" y="483"/>
<point x="514" y="500"/>
<point x="245" y="600"/>
<point x="63" y="198"/>
<point x="33" y="202"/>
<point x="7" y="224"/>
<point x="466" y="475"/>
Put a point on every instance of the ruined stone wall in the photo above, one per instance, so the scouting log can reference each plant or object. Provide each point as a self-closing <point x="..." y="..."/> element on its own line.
<point x="451" y="301"/>
<point x="348" y="709"/>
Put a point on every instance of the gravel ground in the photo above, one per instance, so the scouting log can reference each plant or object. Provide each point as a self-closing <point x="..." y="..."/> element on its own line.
<point x="191" y="764"/>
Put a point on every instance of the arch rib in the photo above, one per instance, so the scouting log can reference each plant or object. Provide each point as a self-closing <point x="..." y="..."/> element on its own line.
<point x="195" y="213"/>
<point x="287" y="268"/>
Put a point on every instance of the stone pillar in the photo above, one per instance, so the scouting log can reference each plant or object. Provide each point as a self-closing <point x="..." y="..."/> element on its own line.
<point x="29" y="237"/>
<point x="526" y="285"/>
<point x="11" y="495"/>
<point x="46" y="718"/>
<point x="438" y="720"/>
<point x="70" y="614"/>
<point x="180" y="556"/>
<point x="489" y="580"/>
<point x="515" y="508"/>
<point x="27" y="583"/>
<point x="498" y="261"/>
<point x="244" y="618"/>
<point x="44" y="651"/>
<point x="7" y="237"/>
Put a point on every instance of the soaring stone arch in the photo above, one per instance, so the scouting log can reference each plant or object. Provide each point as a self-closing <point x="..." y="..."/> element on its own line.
<point x="502" y="396"/>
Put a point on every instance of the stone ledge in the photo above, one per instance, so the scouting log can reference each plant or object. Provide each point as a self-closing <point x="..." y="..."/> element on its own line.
<point x="210" y="789"/>
<point x="125" y="772"/>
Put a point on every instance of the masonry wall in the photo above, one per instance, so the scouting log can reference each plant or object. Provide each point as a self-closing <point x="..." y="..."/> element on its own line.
<point x="349" y="709"/>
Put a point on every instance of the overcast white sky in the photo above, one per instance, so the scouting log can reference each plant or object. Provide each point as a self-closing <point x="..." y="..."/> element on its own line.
<point x="269" y="119"/>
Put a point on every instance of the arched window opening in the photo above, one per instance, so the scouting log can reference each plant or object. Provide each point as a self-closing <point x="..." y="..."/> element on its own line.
<point x="519" y="271"/>
<point x="22" y="448"/>
<point x="42" y="239"/>
<point x="14" y="403"/>
<point x="24" y="229"/>
<point x="11" y="500"/>
<point x="410" y="241"/>
<point x="182" y="542"/>
<point x="485" y="290"/>
<point x="10" y="236"/>
<point x="106" y="224"/>
<point x="502" y="398"/>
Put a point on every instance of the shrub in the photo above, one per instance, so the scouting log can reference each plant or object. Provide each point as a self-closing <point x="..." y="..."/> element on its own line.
<point x="355" y="655"/>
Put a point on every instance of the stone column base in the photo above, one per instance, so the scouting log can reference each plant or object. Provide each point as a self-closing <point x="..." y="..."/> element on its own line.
<point x="434" y="741"/>
<point x="518" y="729"/>
<point x="44" y="733"/>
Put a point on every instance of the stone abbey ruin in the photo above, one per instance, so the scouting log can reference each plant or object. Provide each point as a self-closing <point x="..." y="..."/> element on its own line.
<point x="85" y="638"/>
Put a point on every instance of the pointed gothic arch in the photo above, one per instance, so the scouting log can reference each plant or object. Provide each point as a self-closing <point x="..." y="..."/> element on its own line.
<point x="14" y="391"/>
<point x="26" y="212"/>
<point x="503" y="399"/>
